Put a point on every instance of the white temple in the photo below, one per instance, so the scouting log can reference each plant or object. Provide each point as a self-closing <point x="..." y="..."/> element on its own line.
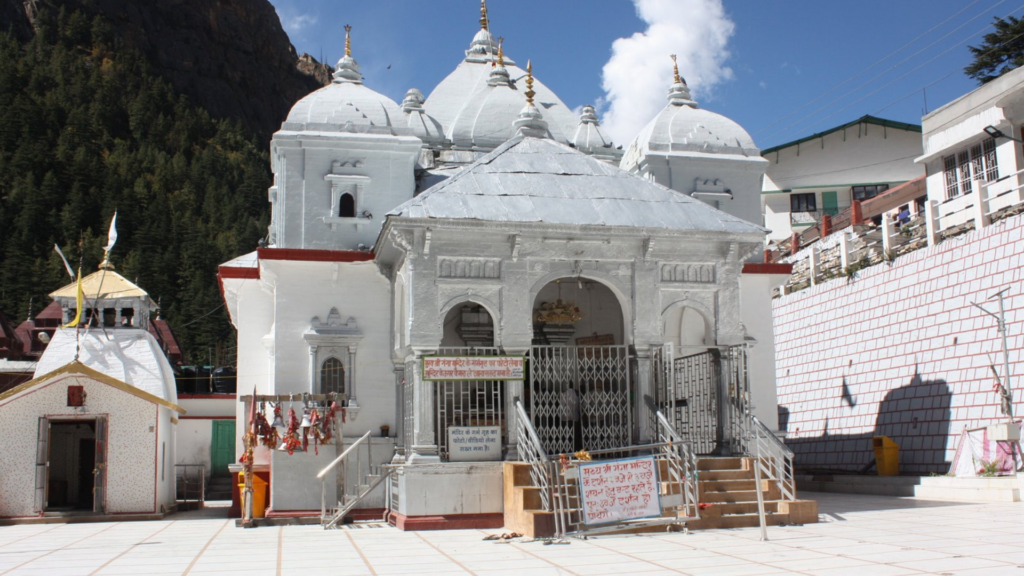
<point x="488" y="220"/>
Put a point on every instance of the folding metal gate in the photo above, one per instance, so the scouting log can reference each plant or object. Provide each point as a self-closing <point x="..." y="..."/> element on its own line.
<point x="686" y="391"/>
<point x="585" y="386"/>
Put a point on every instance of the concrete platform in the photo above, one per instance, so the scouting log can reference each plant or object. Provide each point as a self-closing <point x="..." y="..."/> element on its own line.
<point x="941" y="488"/>
<point x="857" y="535"/>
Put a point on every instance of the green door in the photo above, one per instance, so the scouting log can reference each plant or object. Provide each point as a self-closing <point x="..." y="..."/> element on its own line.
<point x="829" y="203"/>
<point x="222" y="449"/>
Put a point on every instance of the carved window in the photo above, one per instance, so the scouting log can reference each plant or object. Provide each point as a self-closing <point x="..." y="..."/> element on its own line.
<point x="347" y="206"/>
<point x="332" y="376"/>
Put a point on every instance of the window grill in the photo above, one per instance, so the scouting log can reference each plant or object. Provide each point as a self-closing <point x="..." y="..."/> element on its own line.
<point x="332" y="376"/>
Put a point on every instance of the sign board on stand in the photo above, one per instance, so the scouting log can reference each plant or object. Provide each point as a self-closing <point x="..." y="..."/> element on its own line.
<point x="619" y="490"/>
<point x="474" y="443"/>
<point x="473" y="368"/>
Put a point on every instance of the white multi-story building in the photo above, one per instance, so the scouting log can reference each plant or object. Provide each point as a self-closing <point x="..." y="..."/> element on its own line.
<point x="825" y="172"/>
<point x="973" y="144"/>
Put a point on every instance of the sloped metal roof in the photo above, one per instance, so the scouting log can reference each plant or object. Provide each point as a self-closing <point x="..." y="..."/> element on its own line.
<point x="538" y="180"/>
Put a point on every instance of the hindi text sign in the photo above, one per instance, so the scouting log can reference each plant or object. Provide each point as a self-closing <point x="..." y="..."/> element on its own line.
<point x="474" y="443"/>
<point x="617" y="490"/>
<point x="473" y="368"/>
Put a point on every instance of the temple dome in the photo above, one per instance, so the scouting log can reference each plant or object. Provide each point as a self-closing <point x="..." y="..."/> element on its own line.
<point x="344" y="104"/>
<point x="590" y="139"/>
<point x="477" y="113"/>
<point x="685" y="128"/>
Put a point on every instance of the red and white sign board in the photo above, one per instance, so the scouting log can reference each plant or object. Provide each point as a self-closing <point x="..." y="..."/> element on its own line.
<point x="473" y="367"/>
<point x="618" y="490"/>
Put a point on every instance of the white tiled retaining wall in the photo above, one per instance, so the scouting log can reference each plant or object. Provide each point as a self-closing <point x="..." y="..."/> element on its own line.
<point x="907" y="346"/>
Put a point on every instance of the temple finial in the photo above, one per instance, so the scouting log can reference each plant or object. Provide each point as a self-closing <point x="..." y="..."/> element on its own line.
<point x="675" y="71"/>
<point x="529" y="83"/>
<point x="483" y="14"/>
<point x="348" y="40"/>
<point x="501" y="54"/>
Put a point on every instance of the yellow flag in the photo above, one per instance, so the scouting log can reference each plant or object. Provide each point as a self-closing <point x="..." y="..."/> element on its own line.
<point x="79" y="302"/>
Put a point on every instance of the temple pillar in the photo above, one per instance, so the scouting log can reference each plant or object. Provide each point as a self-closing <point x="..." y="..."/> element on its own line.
<point x="424" y="440"/>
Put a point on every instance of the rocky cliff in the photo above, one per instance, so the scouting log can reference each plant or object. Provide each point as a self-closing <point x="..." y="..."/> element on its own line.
<point x="232" y="57"/>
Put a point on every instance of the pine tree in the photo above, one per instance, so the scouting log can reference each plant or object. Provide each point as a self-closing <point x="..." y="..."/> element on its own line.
<point x="1001" y="51"/>
<point x="86" y="128"/>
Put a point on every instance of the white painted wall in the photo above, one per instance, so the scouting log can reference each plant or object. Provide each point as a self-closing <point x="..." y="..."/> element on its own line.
<point x="302" y="209"/>
<point x="194" y="432"/>
<point x="132" y="453"/>
<point x="303" y="290"/>
<point x="864" y="153"/>
<point x="908" y="344"/>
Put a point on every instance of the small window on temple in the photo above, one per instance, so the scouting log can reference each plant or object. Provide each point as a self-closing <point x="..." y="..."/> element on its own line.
<point x="347" y="206"/>
<point x="109" y="317"/>
<point x="127" y="315"/>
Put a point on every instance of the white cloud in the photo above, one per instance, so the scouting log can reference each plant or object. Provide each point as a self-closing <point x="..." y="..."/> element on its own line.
<point x="637" y="77"/>
<point x="295" y="24"/>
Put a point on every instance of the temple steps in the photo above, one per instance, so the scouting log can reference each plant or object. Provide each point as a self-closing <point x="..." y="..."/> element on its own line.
<point x="726" y="487"/>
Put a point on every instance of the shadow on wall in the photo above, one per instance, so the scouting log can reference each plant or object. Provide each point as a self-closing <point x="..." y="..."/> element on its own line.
<point x="916" y="417"/>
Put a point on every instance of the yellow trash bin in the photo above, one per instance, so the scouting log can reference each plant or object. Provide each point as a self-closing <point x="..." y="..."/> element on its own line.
<point x="259" y="495"/>
<point x="887" y="456"/>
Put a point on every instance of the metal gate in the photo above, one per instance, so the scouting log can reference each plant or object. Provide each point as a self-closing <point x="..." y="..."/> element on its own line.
<point x="687" y="393"/>
<point x="468" y="402"/>
<point x="583" y="391"/>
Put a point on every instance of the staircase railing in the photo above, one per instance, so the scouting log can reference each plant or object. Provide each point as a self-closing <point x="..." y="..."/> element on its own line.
<point x="773" y="457"/>
<point x="346" y="501"/>
<point x="532" y="452"/>
<point x="682" y="465"/>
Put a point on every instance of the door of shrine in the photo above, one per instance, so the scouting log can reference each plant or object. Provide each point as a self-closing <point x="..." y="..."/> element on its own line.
<point x="581" y="397"/>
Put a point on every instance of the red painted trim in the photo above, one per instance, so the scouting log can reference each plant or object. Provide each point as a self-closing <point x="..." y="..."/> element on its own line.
<point x="447" y="522"/>
<point x="252" y="273"/>
<point x="313" y="255"/>
<point x="206" y="417"/>
<point x="761" y="268"/>
<point x="228" y="396"/>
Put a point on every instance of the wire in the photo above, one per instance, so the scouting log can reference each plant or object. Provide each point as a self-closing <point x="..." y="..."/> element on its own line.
<point x="880" y="88"/>
<point x="891" y="54"/>
<point x="887" y="161"/>
<point x="913" y="92"/>
<point x="891" y="68"/>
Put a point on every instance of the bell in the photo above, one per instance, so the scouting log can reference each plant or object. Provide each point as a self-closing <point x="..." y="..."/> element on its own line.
<point x="278" y="421"/>
<point x="305" y="420"/>
<point x="283" y="447"/>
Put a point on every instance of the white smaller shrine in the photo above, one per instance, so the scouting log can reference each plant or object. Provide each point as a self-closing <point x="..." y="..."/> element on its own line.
<point x="93" y="434"/>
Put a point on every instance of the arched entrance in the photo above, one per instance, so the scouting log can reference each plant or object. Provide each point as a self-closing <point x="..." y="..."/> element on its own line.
<point x="689" y="395"/>
<point x="580" y="372"/>
<point x="468" y="330"/>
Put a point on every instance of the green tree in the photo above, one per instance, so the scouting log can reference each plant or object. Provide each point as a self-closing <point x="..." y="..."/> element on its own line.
<point x="1001" y="51"/>
<point x="87" y="128"/>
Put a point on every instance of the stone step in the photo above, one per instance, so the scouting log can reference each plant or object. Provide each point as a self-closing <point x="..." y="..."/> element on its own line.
<point x="721" y="464"/>
<point x="736" y="521"/>
<point x="726" y="475"/>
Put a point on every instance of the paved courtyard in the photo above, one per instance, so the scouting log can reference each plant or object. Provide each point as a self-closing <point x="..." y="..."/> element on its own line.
<point x="858" y="535"/>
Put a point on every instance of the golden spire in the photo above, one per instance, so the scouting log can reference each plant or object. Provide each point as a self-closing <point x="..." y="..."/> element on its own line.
<point x="529" y="83"/>
<point x="675" y="71"/>
<point x="501" y="54"/>
<point x="348" y="40"/>
<point x="483" y="14"/>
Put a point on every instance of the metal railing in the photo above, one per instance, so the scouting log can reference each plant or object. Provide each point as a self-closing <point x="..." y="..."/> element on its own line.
<point x="681" y="466"/>
<point x="346" y="501"/>
<point x="532" y="452"/>
<point x="773" y="457"/>
<point x="190" y="483"/>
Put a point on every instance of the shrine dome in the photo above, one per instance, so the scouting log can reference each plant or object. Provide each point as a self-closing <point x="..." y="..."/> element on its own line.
<point x="477" y="113"/>
<point x="684" y="127"/>
<point x="344" y="104"/>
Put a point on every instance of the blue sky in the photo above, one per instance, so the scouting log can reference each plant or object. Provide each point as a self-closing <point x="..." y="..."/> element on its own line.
<point x="782" y="69"/>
